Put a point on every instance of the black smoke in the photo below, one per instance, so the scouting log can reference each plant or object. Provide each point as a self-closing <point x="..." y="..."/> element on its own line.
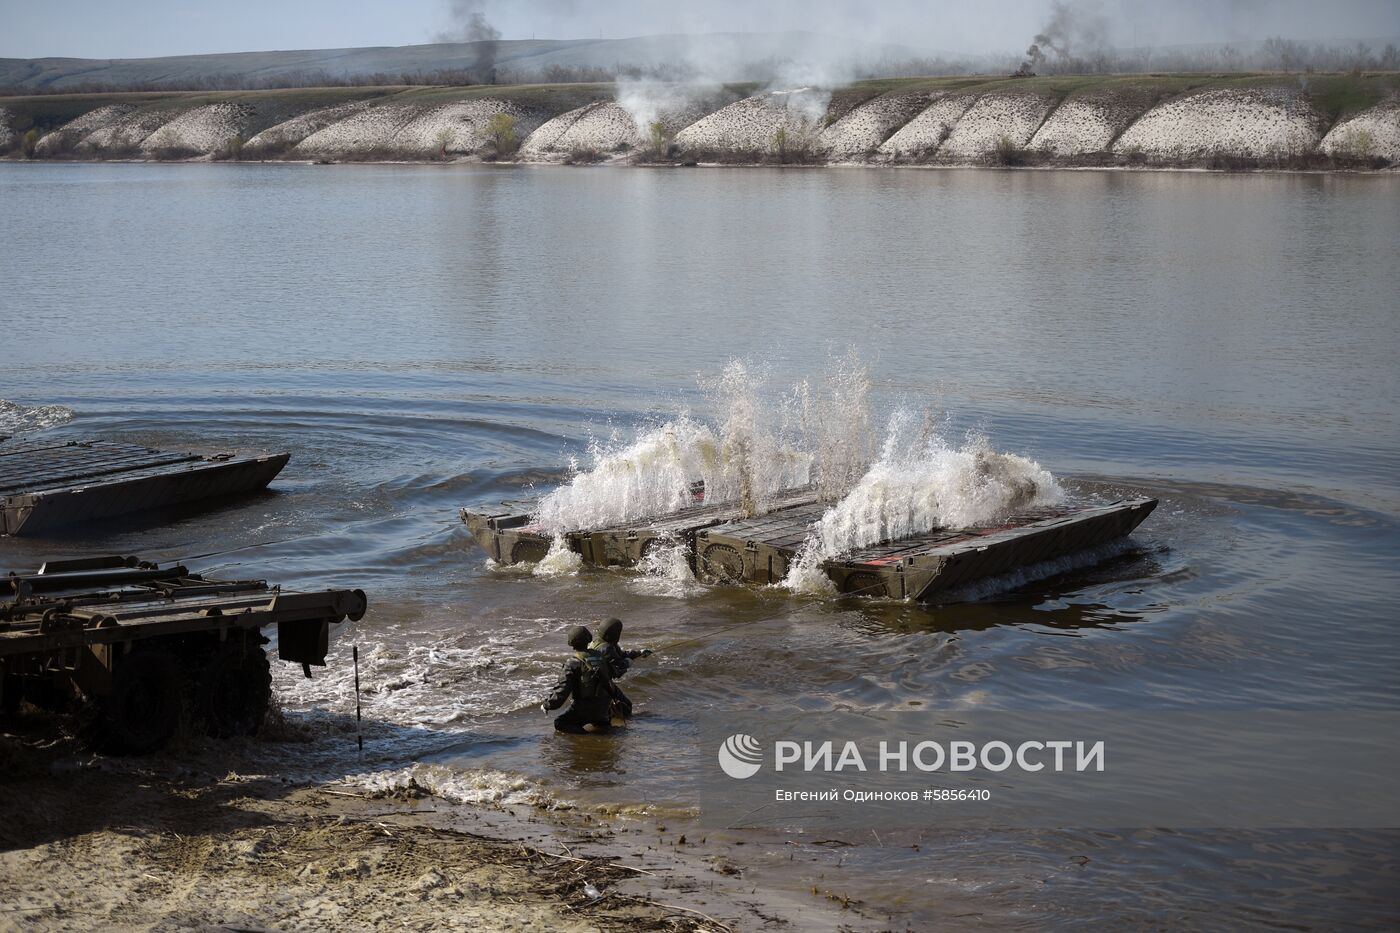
<point x="1072" y="39"/>
<point x="469" y="24"/>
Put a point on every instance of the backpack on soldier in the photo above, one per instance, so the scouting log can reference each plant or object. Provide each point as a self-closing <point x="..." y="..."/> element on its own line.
<point x="593" y="677"/>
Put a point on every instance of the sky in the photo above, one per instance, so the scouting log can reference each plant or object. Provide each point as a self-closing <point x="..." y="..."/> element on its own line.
<point x="145" y="28"/>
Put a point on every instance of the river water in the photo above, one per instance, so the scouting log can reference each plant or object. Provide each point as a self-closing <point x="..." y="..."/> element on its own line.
<point x="427" y="337"/>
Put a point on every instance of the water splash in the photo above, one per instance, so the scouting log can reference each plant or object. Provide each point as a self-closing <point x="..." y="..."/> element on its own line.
<point x="920" y="482"/>
<point x="835" y="420"/>
<point x="743" y="461"/>
<point x="665" y="570"/>
<point x="756" y="460"/>
<point x="475" y="787"/>
<point x="649" y="476"/>
<point x="559" y="561"/>
<point x="18" y="419"/>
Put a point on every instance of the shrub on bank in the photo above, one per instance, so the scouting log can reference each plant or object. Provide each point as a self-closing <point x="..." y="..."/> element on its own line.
<point x="583" y="155"/>
<point x="502" y="141"/>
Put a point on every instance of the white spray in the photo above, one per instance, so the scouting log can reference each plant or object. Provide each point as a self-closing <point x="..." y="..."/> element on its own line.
<point x="649" y="476"/>
<point x="835" y="421"/>
<point x="744" y="462"/>
<point x="18" y="419"/>
<point x="920" y="482"/>
<point x="666" y="570"/>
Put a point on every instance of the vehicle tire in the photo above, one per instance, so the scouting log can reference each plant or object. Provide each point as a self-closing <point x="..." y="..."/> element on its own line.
<point x="723" y="564"/>
<point x="235" y="688"/>
<point x="144" y="707"/>
<point x="864" y="583"/>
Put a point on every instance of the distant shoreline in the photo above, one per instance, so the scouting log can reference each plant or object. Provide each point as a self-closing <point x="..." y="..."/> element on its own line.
<point x="1387" y="171"/>
<point x="1336" y="122"/>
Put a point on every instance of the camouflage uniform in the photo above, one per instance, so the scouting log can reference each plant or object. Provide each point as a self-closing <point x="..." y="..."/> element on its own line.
<point x="587" y="679"/>
<point x="619" y="661"/>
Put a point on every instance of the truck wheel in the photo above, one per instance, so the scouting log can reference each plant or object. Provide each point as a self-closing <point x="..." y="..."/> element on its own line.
<point x="144" y="707"/>
<point x="235" y="688"/>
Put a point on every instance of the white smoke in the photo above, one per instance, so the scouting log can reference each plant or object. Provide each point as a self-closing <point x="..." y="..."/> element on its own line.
<point x="670" y="104"/>
<point x="801" y="80"/>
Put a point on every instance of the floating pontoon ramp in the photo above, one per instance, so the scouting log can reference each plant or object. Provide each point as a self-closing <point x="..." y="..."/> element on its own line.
<point x="920" y="567"/>
<point x="49" y="484"/>
<point x="512" y="538"/>
<point x="727" y="547"/>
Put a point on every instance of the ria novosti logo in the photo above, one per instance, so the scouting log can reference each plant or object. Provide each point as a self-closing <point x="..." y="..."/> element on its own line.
<point x="740" y="756"/>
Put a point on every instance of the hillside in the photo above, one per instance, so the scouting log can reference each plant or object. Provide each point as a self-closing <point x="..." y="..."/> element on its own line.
<point x="512" y="56"/>
<point x="1235" y="121"/>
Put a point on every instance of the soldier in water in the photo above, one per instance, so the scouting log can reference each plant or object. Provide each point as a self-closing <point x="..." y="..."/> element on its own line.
<point x="587" y="679"/>
<point x="618" y="660"/>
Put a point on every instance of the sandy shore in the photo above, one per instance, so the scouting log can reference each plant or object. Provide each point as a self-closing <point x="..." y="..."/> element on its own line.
<point x="94" y="843"/>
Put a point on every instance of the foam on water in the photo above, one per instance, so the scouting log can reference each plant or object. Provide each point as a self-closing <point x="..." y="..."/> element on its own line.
<point x="919" y="482"/>
<point x="456" y="785"/>
<point x="439" y="682"/>
<point x="19" y="419"/>
<point x="665" y="571"/>
<point x="559" y="561"/>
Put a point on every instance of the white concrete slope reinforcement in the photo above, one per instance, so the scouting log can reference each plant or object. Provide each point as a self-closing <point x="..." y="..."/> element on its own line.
<point x="862" y="131"/>
<point x="1123" y="123"/>
<point x="1247" y="123"/>
<point x="1372" y="133"/>
<point x="202" y="130"/>
<point x="1086" y="123"/>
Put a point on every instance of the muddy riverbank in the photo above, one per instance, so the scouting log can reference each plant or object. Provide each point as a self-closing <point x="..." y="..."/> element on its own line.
<point x="171" y="843"/>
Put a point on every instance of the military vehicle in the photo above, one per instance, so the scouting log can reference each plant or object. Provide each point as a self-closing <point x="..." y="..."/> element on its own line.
<point x="727" y="545"/>
<point x="150" y="644"/>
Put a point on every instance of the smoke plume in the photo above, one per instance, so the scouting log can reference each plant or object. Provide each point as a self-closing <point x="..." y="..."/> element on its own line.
<point x="469" y="24"/>
<point x="1074" y="33"/>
